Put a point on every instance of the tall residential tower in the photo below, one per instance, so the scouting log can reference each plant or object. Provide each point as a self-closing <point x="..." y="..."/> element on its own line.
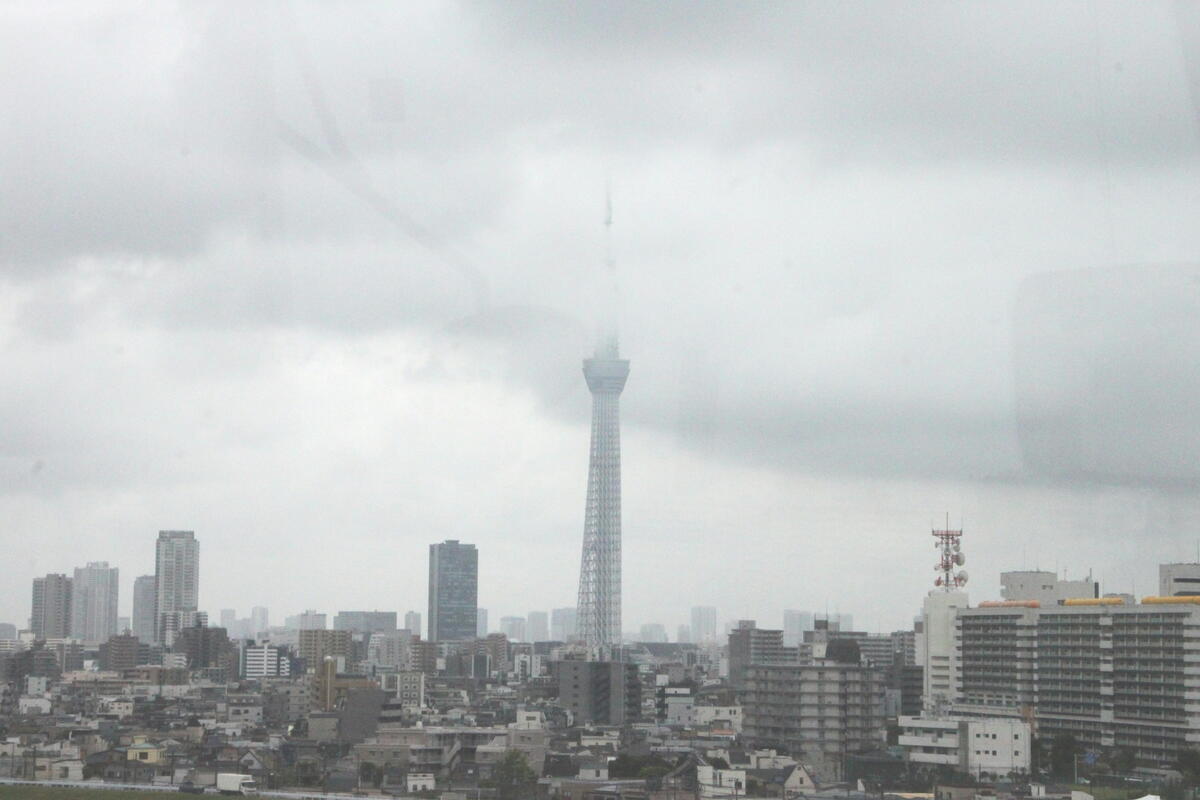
<point x="94" y="593"/>
<point x="176" y="583"/>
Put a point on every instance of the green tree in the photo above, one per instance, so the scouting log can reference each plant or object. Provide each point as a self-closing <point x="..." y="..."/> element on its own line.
<point x="1188" y="763"/>
<point x="513" y="778"/>
<point x="1124" y="760"/>
<point x="1063" y="750"/>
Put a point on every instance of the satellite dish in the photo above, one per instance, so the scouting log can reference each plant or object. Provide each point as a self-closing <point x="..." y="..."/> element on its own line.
<point x="961" y="576"/>
<point x="959" y="558"/>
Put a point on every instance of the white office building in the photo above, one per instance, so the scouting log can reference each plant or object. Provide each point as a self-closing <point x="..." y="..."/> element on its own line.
<point x="983" y="747"/>
<point x="265" y="661"/>
<point x="1045" y="588"/>
<point x="1178" y="580"/>
<point x="936" y="647"/>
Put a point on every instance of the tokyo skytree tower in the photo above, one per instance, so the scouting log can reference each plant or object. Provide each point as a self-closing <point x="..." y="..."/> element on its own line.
<point x="599" y="612"/>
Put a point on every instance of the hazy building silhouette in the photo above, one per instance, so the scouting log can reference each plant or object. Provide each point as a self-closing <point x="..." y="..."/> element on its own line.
<point x="94" y="593"/>
<point x="704" y="624"/>
<point x="537" y="626"/>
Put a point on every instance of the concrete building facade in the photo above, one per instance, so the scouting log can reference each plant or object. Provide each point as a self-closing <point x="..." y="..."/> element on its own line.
<point x="750" y="645"/>
<point x="1123" y="676"/>
<point x="599" y="692"/>
<point x="936" y="649"/>
<point x="825" y="710"/>
<point x="142" y="622"/>
<point x="51" y="611"/>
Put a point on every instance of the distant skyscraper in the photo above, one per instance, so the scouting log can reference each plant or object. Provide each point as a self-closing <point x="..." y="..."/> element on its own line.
<point x="365" y="621"/>
<point x="143" y="608"/>
<point x="260" y="620"/>
<point x="683" y="634"/>
<point x="412" y="622"/>
<point x="177" y="577"/>
<point x="652" y="632"/>
<point x="51" y="617"/>
<point x="704" y="624"/>
<point x="94" y="602"/>
<point x="453" y="591"/>
<point x="229" y="618"/>
<point x="8" y="630"/>
<point x="311" y="620"/>
<point x="481" y="623"/>
<point x="562" y="624"/>
<point x="514" y="629"/>
<point x="795" y="623"/>
<point x="537" y="626"/>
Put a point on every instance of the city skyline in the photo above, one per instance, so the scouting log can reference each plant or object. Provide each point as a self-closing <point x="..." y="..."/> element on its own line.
<point x="839" y="334"/>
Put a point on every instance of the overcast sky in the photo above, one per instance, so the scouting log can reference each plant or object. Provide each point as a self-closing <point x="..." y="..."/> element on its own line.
<point x="315" y="281"/>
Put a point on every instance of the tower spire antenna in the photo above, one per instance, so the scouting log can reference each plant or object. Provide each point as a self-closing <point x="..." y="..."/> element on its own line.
<point x="608" y="342"/>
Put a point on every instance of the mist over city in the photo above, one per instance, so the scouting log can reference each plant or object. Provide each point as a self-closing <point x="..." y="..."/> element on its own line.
<point x="588" y="382"/>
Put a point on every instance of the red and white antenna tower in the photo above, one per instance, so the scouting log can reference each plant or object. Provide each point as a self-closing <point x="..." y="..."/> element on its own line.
<point x="948" y="542"/>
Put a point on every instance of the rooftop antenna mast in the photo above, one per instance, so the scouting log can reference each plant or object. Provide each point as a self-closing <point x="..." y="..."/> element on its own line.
<point x="950" y="545"/>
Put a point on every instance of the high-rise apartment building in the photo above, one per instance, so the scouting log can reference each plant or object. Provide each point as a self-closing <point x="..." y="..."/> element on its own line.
<point x="1111" y="675"/>
<point x="318" y="644"/>
<point x="537" y="626"/>
<point x="143" y="608"/>
<point x="599" y="692"/>
<point x="453" y="591"/>
<point x="826" y="710"/>
<point x="177" y="579"/>
<point x="94" y="593"/>
<point x="562" y="624"/>
<point x="412" y="622"/>
<point x="750" y="645"/>
<point x="704" y="624"/>
<point x="122" y="652"/>
<point x="51" y="615"/>
<point x="365" y="621"/>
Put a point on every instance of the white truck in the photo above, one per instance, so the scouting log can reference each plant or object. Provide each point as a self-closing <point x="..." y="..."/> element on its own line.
<point x="233" y="783"/>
